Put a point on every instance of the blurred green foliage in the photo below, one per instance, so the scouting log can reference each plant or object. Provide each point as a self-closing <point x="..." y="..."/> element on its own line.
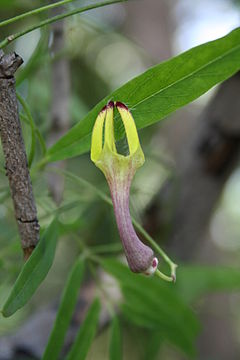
<point x="151" y="313"/>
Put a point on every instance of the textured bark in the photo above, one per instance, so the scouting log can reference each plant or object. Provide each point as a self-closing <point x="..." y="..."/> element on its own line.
<point x="15" y="155"/>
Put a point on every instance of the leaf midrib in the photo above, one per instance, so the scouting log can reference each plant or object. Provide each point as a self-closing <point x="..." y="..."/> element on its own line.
<point x="133" y="107"/>
<point x="187" y="76"/>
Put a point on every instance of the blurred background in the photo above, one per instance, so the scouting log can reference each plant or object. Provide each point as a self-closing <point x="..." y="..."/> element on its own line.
<point x="186" y="195"/>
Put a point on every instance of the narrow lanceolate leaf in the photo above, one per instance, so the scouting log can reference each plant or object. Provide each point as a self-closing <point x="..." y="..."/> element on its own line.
<point x="86" y="333"/>
<point x="160" y="90"/>
<point x="115" y="348"/>
<point x="64" y="315"/>
<point x="34" y="271"/>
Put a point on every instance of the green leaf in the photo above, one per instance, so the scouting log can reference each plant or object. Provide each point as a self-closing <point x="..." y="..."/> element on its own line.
<point x="32" y="125"/>
<point x="160" y="90"/>
<point x="33" y="272"/>
<point x="86" y="333"/>
<point x="195" y="281"/>
<point x="66" y="308"/>
<point x="155" y="305"/>
<point x="142" y="311"/>
<point x="115" y="348"/>
<point x="6" y="4"/>
<point x="35" y="60"/>
<point x="153" y="346"/>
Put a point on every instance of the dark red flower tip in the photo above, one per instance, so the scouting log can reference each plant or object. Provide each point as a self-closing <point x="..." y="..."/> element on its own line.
<point x="121" y="105"/>
<point x="110" y="104"/>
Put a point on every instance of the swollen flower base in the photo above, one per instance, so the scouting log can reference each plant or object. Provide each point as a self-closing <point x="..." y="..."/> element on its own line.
<point x="119" y="171"/>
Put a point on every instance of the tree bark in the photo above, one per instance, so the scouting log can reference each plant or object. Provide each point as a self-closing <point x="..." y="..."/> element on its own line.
<point x="15" y="155"/>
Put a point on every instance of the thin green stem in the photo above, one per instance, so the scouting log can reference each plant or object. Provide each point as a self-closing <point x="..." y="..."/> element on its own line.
<point x="32" y="125"/>
<point x="163" y="276"/>
<point x="82" y="246"/>
<point x="53" y="19"/>
<point x="60" y="209"/>
<point x="29" y="120"/>
<point x="39" y="57"/>
<point x="84" y="182"/>
<point x="40" y="165"/>
<point x="41" y="141"/>
<point x="24" y="118"/>
<point x="34" y="12"/>
<point x="171" y="264"/>
<point x="137" y="225"/>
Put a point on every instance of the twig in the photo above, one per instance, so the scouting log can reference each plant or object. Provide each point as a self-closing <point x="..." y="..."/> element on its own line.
<point x="15" y="36"/>
<point x="15" y="155"/>
<point x="34" y="12"/>
<point x="31" y="123"/>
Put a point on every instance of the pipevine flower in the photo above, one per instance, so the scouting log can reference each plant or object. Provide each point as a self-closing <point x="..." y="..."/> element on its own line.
<point x="119" y="171"/>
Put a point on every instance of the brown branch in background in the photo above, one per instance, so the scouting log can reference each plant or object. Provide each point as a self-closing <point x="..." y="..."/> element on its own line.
<point x="15" y="155"/>
<point x="207" y="157"/>
<point x="206" y="160"/>
<point x="60" y="102"/>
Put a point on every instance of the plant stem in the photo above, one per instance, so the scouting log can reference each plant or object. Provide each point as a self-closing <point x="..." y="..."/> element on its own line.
<point x="53" y="19"/>
<point x="34" y="12"/>
<point x="24" y="118"/>
<point x="163" y="276"/>
<point x="32" y="126"/>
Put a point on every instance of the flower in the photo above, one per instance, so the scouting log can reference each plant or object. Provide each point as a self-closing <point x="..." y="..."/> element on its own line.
<point x="119" y="171"/>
